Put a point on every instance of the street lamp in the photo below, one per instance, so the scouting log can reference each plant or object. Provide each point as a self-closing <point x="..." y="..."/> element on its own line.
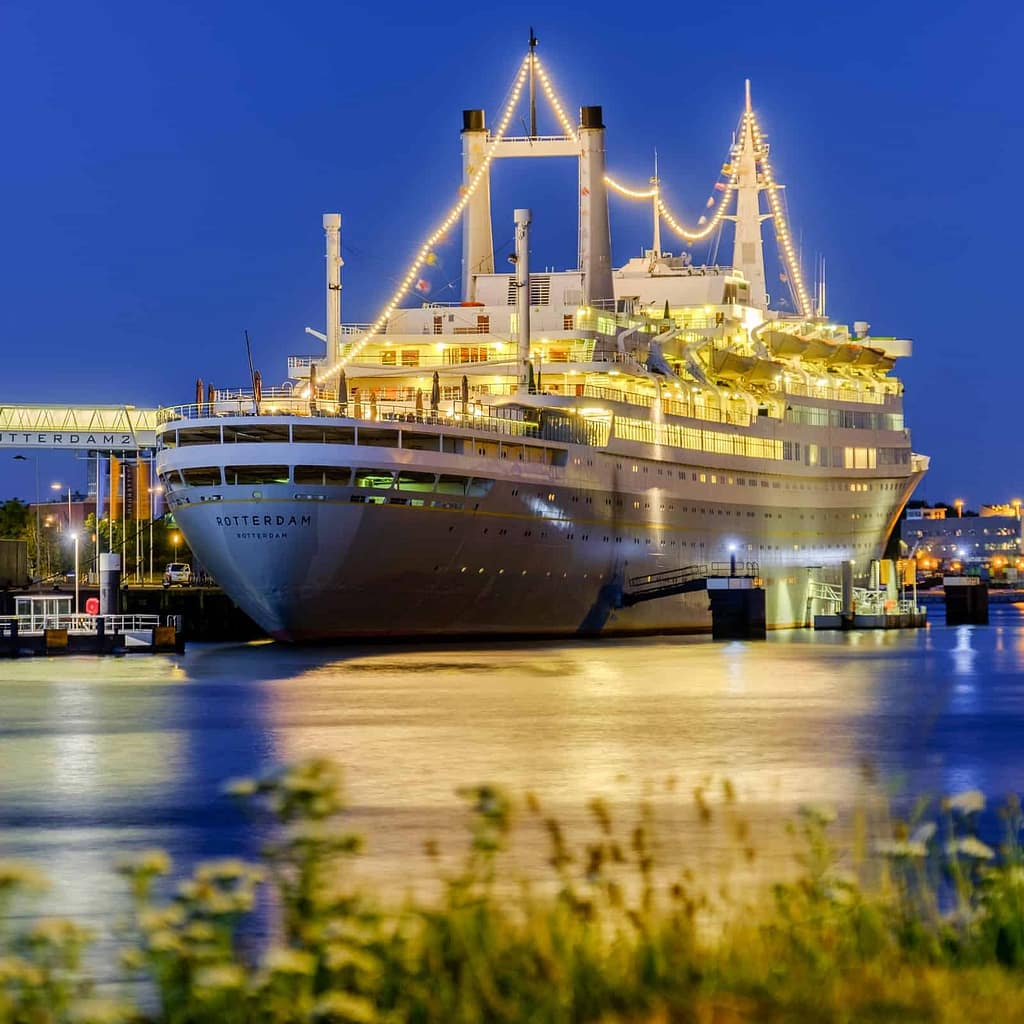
<point x="74" y="537"/>
<point x="152" y="490"/>
<point x="1016" y="507"/>
<point x="174" y="540"/>
<point x="58" y="488"/>
<point x="959" y="504"/>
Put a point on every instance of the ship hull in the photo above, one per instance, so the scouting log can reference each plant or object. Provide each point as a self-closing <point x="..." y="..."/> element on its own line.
<point x="342" y="563"/>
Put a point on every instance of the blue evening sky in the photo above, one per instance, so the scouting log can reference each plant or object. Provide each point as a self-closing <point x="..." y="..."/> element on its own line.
<point x="165" y="166"/>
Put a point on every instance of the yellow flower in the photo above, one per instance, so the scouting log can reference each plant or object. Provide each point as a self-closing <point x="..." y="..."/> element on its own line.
<point x="15" y="875"/>
<point x="343" y="1006"/>
<point x="149" y="862"/>
<point x="967" y="802"/>
<point x="100" y="1011"/>
<point x="289" y="961"/>
<point x="220" y="977"/>
<point x="970" y="846"/>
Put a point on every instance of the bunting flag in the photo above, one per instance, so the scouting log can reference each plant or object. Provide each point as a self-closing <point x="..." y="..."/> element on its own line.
<point x="719" y="186"/>
<point x="710" y="202"/>
<point x="431" y="260"/>
<point x="783" y="278"/>
<point x="423" y="285"/>
<point x="584" y="191"/>
<point x="727" y="170"/>
<point x="701" y="220"/>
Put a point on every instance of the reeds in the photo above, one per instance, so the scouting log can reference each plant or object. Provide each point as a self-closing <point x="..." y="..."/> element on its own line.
<point x="922" y="923"/>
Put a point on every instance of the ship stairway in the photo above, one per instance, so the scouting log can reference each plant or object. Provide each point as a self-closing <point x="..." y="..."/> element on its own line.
<point x="684" y="580"/>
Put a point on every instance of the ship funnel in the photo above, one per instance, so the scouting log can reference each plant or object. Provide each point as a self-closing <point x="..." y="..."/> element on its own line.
<point x="477" y="241"/>
<point x="595" y="233"/>
<point x="332" y="230"/>
<point x="522" y="262"/>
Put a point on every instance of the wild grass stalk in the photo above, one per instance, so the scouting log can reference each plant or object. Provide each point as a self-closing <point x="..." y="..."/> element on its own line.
<point x="922" y="923"/>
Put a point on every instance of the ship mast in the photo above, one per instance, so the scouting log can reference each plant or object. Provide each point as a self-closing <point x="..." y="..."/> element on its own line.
<point x="655" y="199"/>
<point x="748" y="247"/>
<point x="533" y="85"/>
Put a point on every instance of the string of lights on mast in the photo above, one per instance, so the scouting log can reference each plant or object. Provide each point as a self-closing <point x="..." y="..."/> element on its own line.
<point x="532" y="63"/>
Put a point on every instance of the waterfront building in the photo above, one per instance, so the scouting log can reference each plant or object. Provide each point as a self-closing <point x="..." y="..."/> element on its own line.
<point x="995" y="534"/>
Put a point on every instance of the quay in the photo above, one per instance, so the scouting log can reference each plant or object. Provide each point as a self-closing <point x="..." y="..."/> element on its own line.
<point x="41" y="633"/>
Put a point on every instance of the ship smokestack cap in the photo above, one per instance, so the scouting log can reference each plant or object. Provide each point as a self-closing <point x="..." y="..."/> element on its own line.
<point x="473" y="121"/>
<point x="590" y="117"/>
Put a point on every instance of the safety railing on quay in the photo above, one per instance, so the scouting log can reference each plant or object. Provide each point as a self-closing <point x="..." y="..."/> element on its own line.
<point x="78" y="624"/>
<point x="865" y="601"/>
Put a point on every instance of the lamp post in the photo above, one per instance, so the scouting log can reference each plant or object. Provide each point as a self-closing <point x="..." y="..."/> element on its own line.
<point x="152" y="490"/>
<point x="959" y="505"/>
<point x="1016" y="508"/>
<point x="174" y="540"/>
<point x="58" y="487"/>
<point x="74" y="537"/>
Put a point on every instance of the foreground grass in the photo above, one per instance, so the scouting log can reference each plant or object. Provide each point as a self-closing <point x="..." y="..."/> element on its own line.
<point x="925" y="924"/>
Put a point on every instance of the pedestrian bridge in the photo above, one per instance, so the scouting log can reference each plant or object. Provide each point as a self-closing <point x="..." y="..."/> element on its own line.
<point x="101" y="427"/>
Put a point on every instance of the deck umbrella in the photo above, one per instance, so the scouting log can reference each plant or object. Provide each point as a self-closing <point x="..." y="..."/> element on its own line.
<point x="465" y="395"/>
<point x="312" y="389"/>
<point x="199" y="393"/>
<point x="531" y="383"/>
<point x="419" y="403"/>
<point x="342" y="394"/>
<point x="435" y="393"/>
<point x="373" y="404"/>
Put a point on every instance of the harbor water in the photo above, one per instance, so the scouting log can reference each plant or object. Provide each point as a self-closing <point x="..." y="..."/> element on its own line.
<point x="102" y="756"/>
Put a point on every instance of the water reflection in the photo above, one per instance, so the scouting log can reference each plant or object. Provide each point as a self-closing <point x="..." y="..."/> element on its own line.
<point x="97" y="757"/>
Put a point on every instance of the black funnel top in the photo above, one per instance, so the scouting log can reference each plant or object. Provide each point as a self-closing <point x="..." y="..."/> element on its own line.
<point x="590" y="117"/>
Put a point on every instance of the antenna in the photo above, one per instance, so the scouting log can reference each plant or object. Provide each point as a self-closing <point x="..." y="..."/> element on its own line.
<point x="533" y="91"/>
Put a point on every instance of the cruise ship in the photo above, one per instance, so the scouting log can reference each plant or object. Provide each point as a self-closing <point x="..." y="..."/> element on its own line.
<point x="515" y="462"/>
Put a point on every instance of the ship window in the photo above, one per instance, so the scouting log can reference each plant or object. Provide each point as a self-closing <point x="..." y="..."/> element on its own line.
<point x="378" y="478"/>
<point x="378" y="438"/>
<point x="199" y="435"/>
<point x="410" y="481"/>
<point x="250" y="435"/>
<point x="168" y="439"/>
<point x="421" y="442"/>
<point x="171" y="479"/>
<point x="388" y="357"/>
<point x="337" y="476"/>
<point x="558" y="456"/>
<point x="479" y="487"/>
<point x="310" y="434"/>
<point x="203" y="476"/>
<point x="448" y="484"/>
<point x="410" y="357"/>
<point x="255" y="474"/>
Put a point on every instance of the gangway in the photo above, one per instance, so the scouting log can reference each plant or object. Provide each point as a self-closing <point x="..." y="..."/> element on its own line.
<point x="101" y="428"/>
<point x="685" y="580"/>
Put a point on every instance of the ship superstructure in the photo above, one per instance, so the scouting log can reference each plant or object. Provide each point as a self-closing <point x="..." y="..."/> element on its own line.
<point x="509" y="463"/>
